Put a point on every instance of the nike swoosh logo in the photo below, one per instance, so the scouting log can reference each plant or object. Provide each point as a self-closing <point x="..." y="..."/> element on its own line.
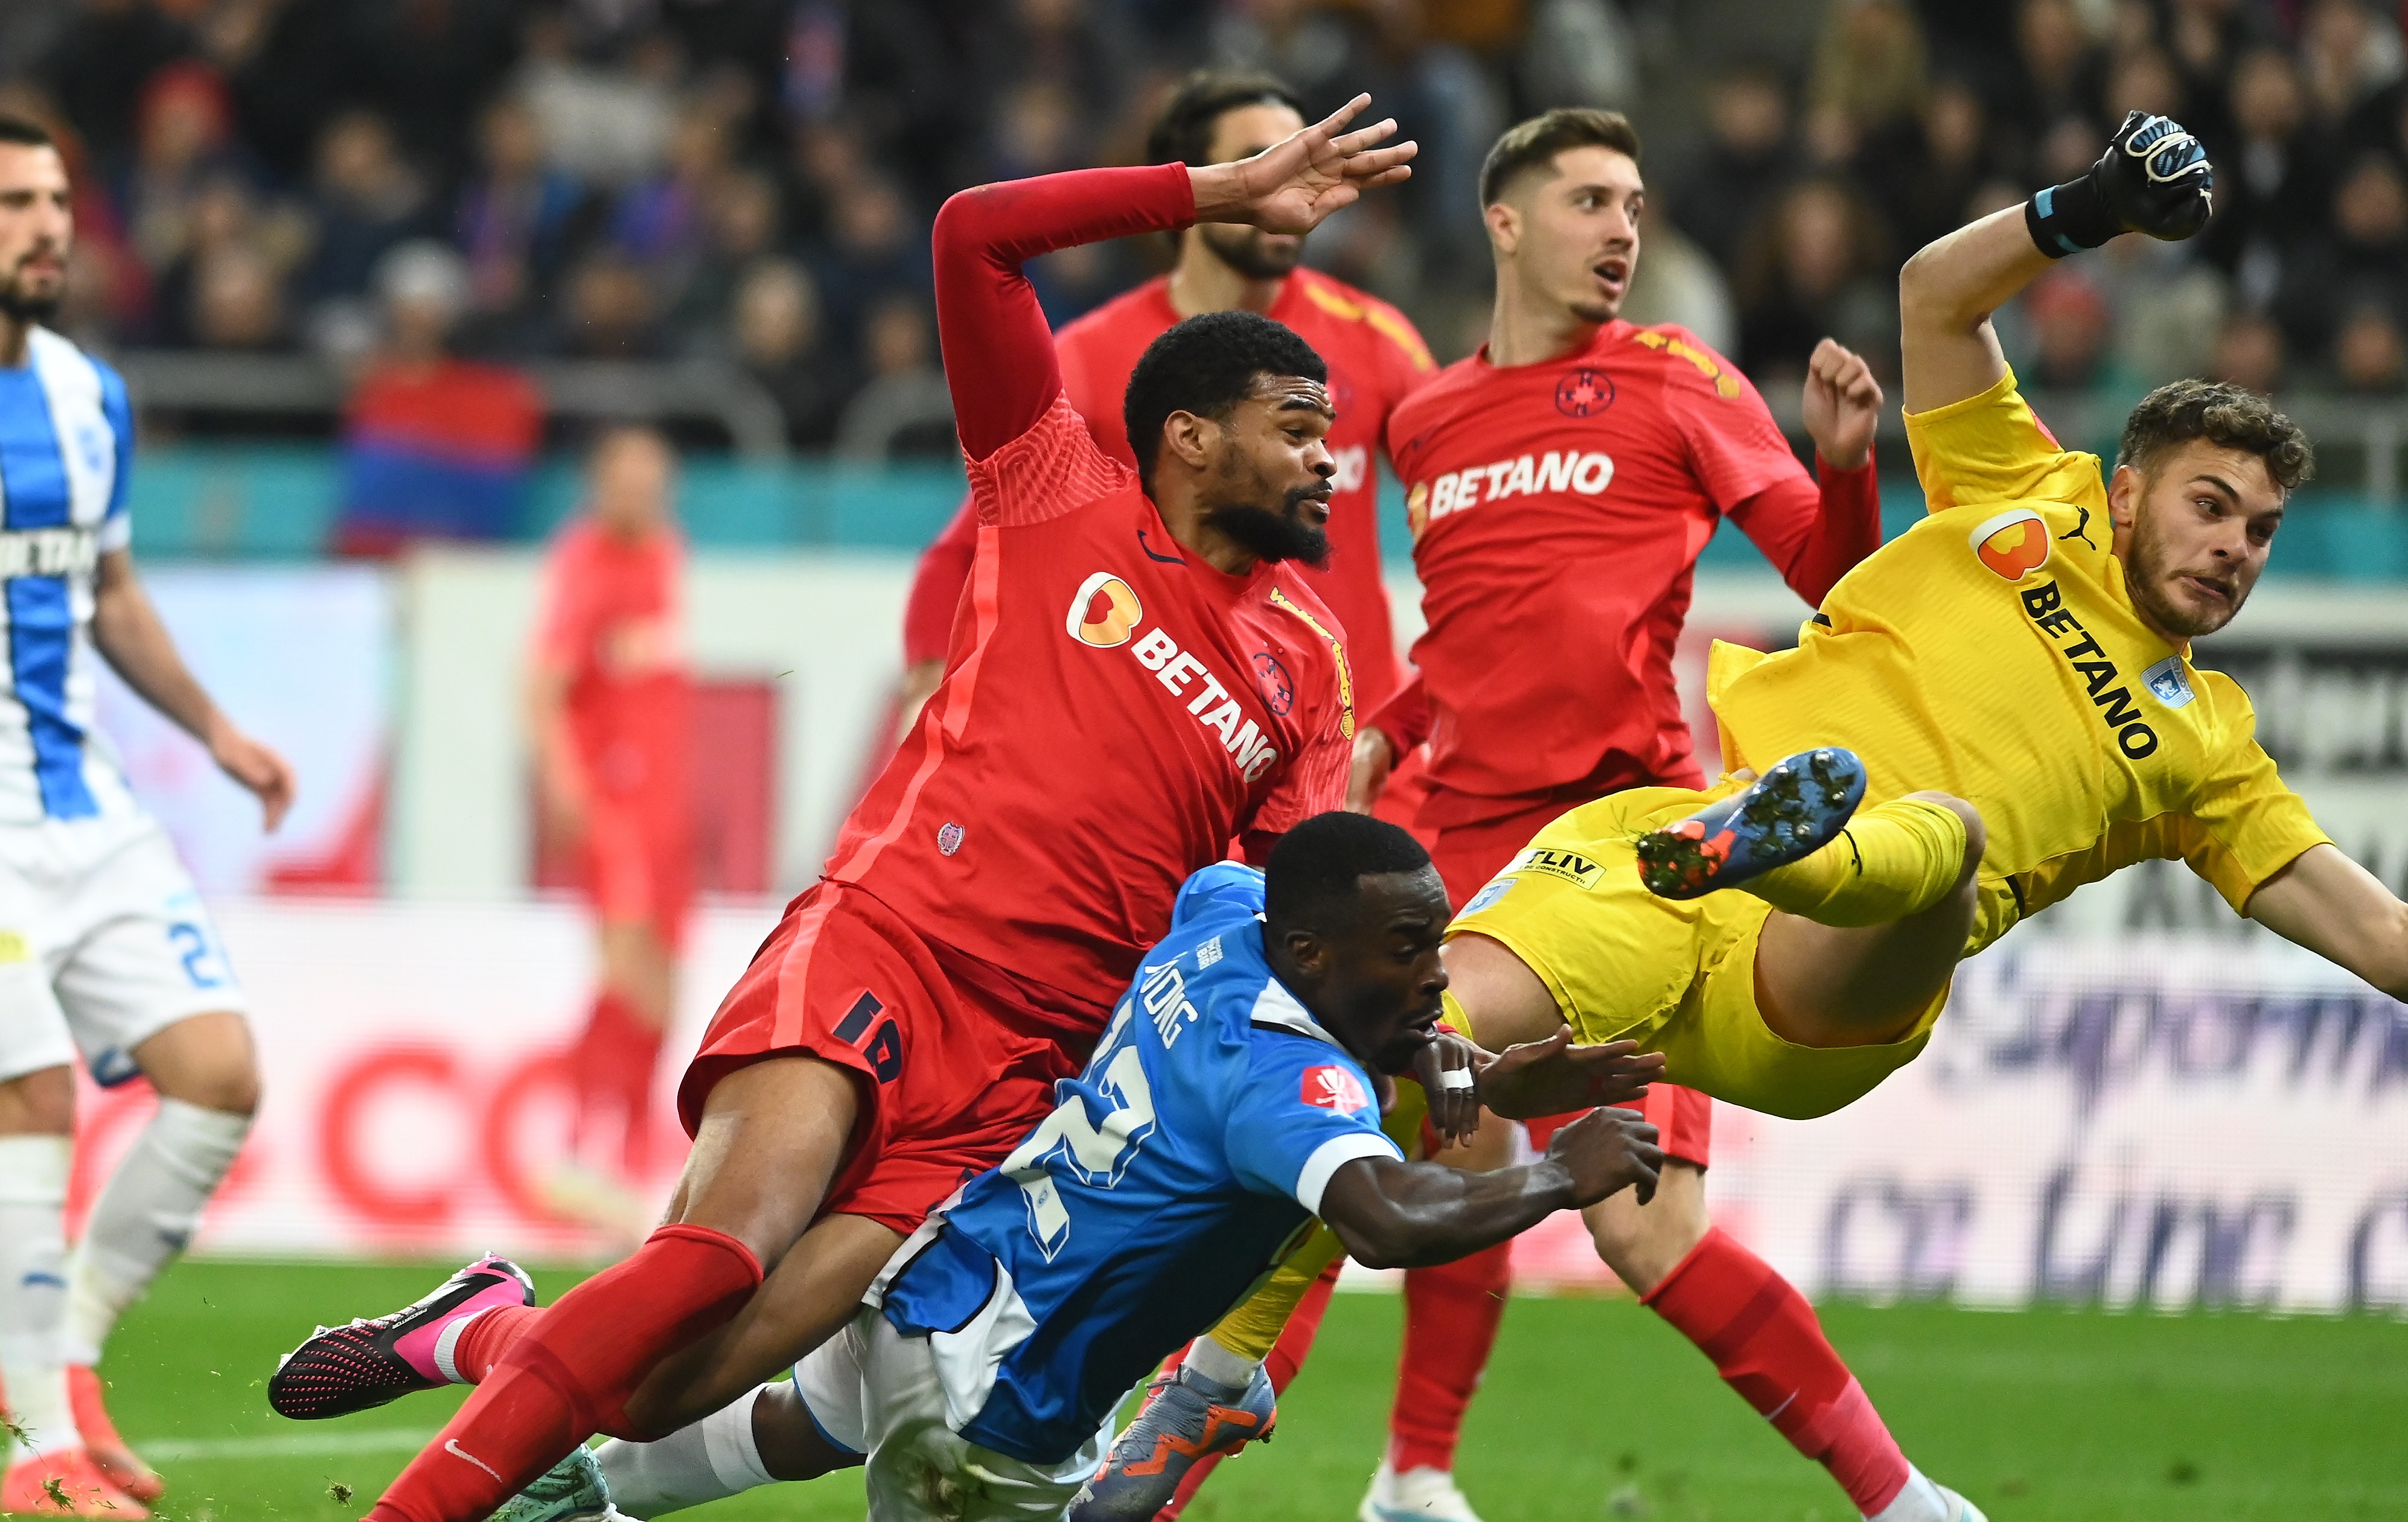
<point x="451" y="1447"/>
<point x="1166" y="559"/>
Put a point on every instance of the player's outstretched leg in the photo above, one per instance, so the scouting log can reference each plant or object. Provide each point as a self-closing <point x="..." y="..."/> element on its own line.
<point x="341" y="1370"/>
<point x="1187" y="1414"/>
<point x="1797" y="807"/>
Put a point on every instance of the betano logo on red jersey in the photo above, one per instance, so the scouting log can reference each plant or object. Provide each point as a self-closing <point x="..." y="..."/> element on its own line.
<point x="1334" y="1088"/>
<point x="1105" y="614"/>
<point x="2014" y="544"/>
<point x="1557" y="470"/>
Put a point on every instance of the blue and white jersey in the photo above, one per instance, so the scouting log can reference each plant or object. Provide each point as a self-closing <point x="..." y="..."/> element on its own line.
<point x="1176" y="1172"/>
<point x="66" y="449"/>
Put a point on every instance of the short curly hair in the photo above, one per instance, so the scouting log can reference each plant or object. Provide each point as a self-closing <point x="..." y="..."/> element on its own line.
<point x="2229" y="415"/>
<point x="1206" y="366"/>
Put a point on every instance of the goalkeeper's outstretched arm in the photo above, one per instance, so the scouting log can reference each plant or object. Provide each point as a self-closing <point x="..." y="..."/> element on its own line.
<point x="2154" y="178"/>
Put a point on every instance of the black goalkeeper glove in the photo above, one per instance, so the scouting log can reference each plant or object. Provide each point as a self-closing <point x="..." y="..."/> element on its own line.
<point x="2154" y="178"/>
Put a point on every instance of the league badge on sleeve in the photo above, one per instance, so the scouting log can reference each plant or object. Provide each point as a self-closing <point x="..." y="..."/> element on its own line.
<point x="2168" y="682"/>
<point x="1335" y="1087"/>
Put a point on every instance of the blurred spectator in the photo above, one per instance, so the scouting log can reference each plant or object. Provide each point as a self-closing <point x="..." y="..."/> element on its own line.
<point x="1037" y="130"/>
<point x="906" y="408"/>
<point x="2369" y="355"/>
<point x="742" y="226"/>
<point x="103" y="64"/>
<point x="434" y="446"/>
<point x="773" y="329"/>
<point x="2249" y="353"/>
<point x="1814" y="268"/>
<point x="1748" y="155"/>
<point x="2068" y="323"/>
<point x="877" y="248"/>
<point x="1577" y="52"/>
<point x="180" y="141"/>
<point x="2059" y="77"/>
<point x="365" y="198"/>
<point x="1870" y="73"/>
<point x="2168" y="308"/>
<point x="1933" y="174"/>
<point x="238" y="301"/>
<point x="2362" y="258"/>
<point x="605" y="126"/>
<point x="2347" y="56"/>
<point x="608" y="312"/>
<point x="513" y="217"/>
<point x="661" y="221"/>
<point x="1675" y="282"/>
<point x="2270" y="189"/>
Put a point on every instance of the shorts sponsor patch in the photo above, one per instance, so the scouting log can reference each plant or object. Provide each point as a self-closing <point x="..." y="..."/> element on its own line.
<point x="1555" y="862"/>
<point x="1496" y="889"/>
<point x="1334" y="1088"/>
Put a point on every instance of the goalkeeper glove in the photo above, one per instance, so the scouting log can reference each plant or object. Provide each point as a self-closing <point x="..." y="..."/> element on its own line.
<point x="2154" y="178"/>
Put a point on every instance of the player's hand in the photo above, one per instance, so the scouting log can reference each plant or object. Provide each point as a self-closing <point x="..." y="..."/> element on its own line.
<point x="1605" y="1150"/>
<point x="1540" y="1078"/>
<point x="1294" y="185"/>
<point x="1453" y="1104"/>
<point x="1843" y="404"/>
<point x="266" y="775"/>
<point x="2154" y="178"/>
<point x="1375" y="757"/>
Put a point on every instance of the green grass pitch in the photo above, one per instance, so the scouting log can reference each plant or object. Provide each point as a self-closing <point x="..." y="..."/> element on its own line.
<point x="1592" y="1411"/>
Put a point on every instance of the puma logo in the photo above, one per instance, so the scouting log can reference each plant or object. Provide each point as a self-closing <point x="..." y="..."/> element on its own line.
<point x="451" y="1447"/>
<point x="2081" y="529"/>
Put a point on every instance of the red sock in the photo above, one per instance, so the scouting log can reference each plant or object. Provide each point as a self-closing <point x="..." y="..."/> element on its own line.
<point x="569" y="1376"/>
<point x="1452" y="1314"/>
<point x="611" y="1069"/>
<point x="487" y="1337"/>
<point x="1767" y="1344"/>
<point x="1286" y="1357"/>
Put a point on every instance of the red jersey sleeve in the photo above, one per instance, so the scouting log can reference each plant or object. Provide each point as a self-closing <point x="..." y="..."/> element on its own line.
<point x="1312" y="782"/>
<point x="998" y="352"/>
<point x="1734" y="446"/>
<point x="570" y="608"/>
<point x="1405" y="718"/>
<point x="936" y="584"/>
<point x="1405" y="363"/>
<point x="1814" y="534"/>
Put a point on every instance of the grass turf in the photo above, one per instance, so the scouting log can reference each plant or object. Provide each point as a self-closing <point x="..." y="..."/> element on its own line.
<point x="1593" y="1409"/>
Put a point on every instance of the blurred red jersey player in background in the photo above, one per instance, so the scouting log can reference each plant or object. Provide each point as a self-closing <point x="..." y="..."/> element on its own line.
<point x="609" y="704"/>
<point x="1375" y="358"/>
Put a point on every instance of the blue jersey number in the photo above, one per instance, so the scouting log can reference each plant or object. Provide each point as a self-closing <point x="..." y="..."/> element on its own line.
<point x="203" y="963"/>
<point x="1089" y="1152"/>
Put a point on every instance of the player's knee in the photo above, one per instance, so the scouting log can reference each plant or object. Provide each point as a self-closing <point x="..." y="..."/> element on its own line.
<point x="39" y="1103"/>
<point x="1645" y="1244"/>
<point x="1976" y="834"/>
<point x="207" y="1060"/>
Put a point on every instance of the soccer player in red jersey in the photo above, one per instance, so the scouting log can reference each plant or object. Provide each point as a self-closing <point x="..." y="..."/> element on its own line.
<point x="610" y="705"/>
<point x="1175" y="686"/>
<point x="1560" y="484"/>
<point x="1375" y="358"/>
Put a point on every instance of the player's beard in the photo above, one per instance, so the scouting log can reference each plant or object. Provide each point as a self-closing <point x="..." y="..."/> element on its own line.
<point x="2149" y="572"/>
<point x="23" y="306"/>
<point x="1275" y="536"/>
<point x="1248" y="251"/>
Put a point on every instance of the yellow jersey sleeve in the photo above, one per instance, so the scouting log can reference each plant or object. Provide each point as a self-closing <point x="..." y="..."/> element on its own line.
<point x="2249" y="824"/>
<point x="1992" y="448"/>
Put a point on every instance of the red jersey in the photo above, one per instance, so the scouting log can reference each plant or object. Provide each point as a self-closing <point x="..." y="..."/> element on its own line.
<point x="1558" y="512"/>
<point x="1114" y="712"/>
<point x="1375" y="358"/>
<point x="611" y="620"/>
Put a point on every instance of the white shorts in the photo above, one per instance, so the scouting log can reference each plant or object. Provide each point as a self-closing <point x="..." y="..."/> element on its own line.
<point x="103" y="945"/>
<point x="874" y="1391"/>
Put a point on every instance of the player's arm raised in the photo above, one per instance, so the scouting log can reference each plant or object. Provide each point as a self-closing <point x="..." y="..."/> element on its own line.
<point x="2342" y="912"/>
<point x="126" y="630"/>
<point x="1410" y="1215"/>
<point x="2154" y="178"/>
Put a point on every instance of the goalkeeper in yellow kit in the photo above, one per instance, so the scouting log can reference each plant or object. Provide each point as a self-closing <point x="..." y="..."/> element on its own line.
<point x="2014" y="675"/>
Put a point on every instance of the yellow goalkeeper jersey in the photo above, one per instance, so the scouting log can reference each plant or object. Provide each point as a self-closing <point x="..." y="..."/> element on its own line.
<point x="1992" y="652"/>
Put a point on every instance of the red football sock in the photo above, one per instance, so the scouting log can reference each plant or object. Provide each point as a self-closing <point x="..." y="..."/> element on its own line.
<point x="569" y="1376"/>
<point x="1285" y="1358"/>
<point x="1451" y="1313"/>
<point x="1767" y="1344"/>
<point x="488" y="1336"/>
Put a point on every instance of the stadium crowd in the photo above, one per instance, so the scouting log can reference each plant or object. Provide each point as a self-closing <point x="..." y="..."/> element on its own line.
<point x="752" y="181"/>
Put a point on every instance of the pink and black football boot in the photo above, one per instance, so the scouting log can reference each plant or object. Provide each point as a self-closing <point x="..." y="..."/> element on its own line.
<point x="355" y="1368"/>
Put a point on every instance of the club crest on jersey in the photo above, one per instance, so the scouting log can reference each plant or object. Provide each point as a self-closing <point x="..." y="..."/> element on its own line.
<point x="1104" y="612"/>
<point x="2014" y="544"/>
<point x="2168" y="682"/>
<point x="1334" y="1088"/>
<point x="1584" y="393"/>
<point x="1277" y="687"/>
<point x="949" y="837"/>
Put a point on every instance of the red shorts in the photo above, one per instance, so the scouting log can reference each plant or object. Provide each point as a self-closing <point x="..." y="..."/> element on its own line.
<point x="951" y="1079"/>
<point x="638" y="868"/>
<point x="1467" y="855"/>
<point x="1682" y="1118"/>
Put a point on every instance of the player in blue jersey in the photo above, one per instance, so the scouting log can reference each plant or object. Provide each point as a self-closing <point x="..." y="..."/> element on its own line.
<point x="1232" y="1100"/>
<point x="105" y="949"/>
